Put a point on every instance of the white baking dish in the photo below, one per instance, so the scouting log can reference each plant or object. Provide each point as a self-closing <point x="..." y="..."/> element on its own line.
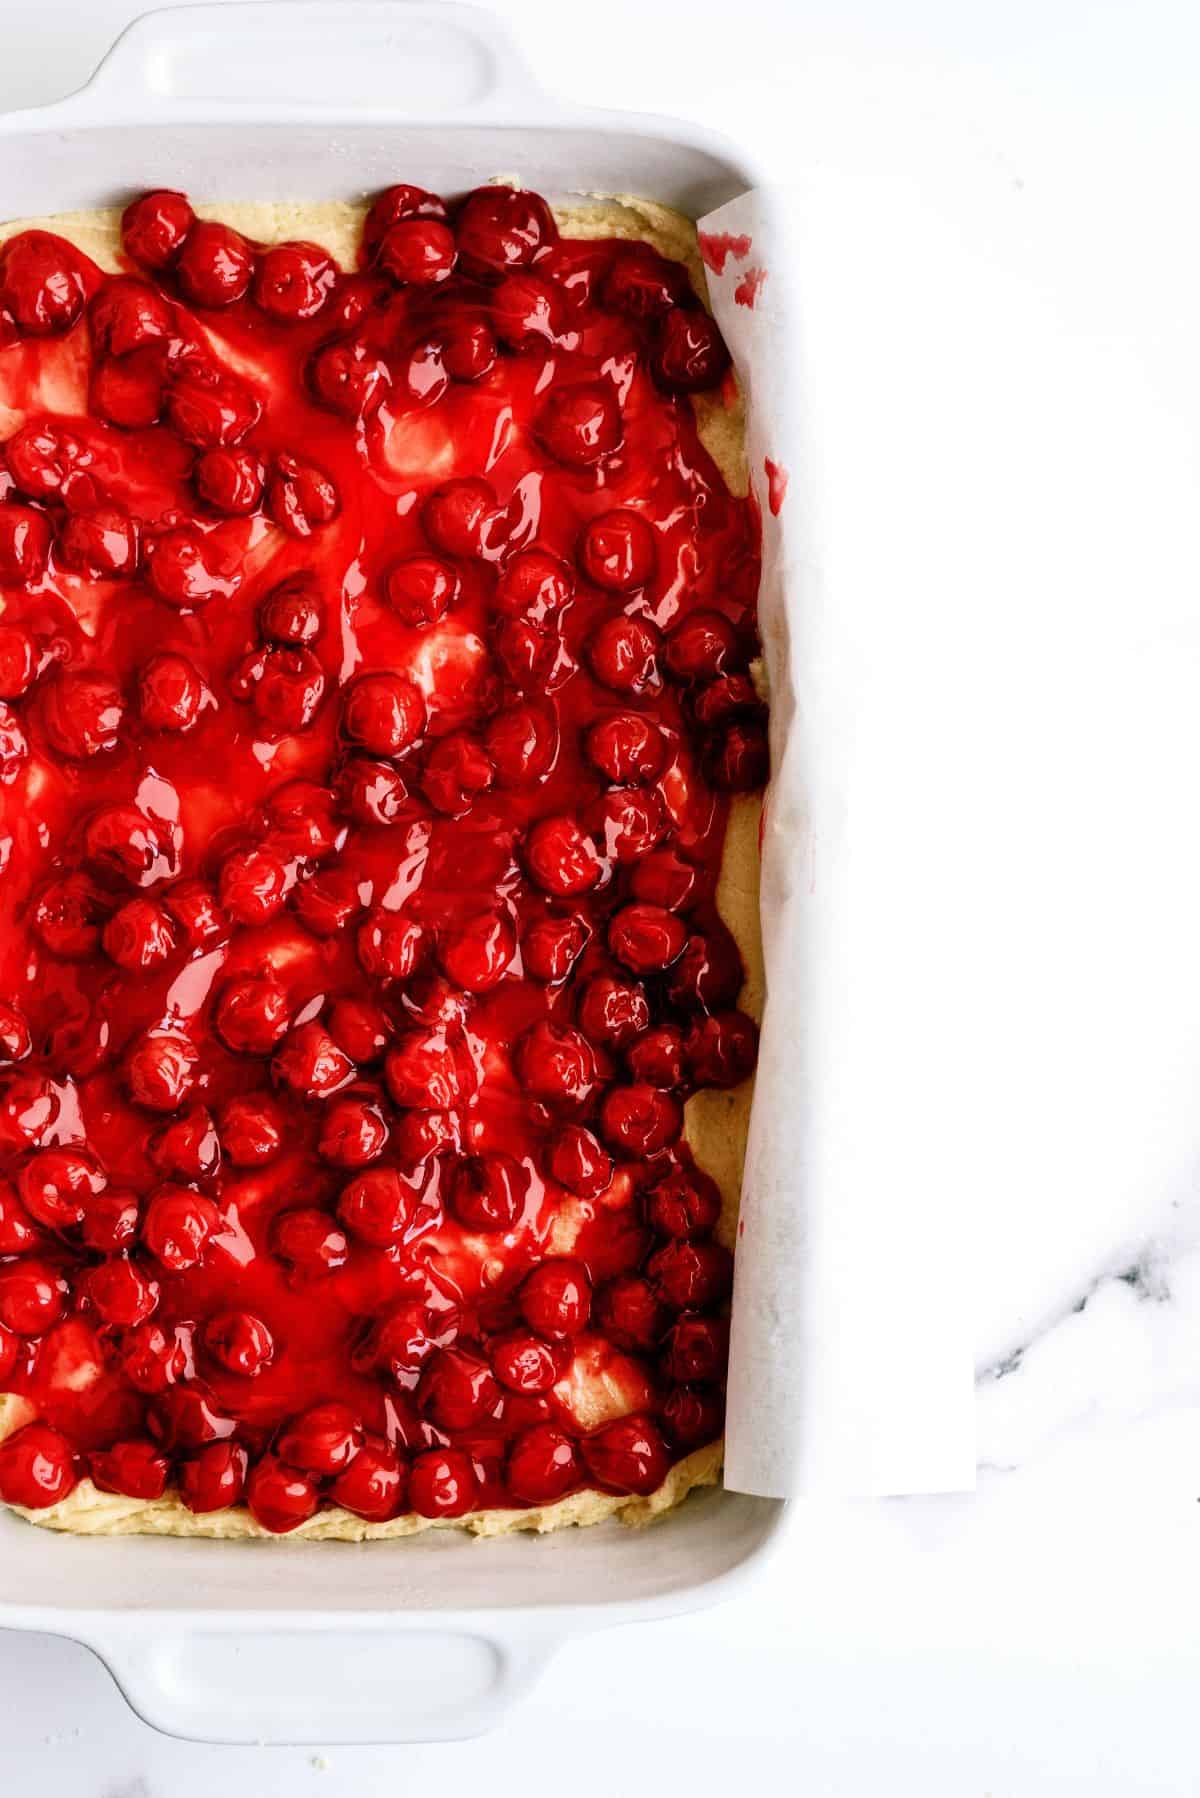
<point x="428" y="1638"/>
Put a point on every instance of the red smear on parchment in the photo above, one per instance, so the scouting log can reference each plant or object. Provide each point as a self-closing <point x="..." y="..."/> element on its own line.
<point x="777" y="485"/>
<point x="717" y="246"/>
<point x="749" y="287"/>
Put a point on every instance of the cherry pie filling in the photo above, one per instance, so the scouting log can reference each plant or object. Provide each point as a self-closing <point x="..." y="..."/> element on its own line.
<point x="374" y="678"/>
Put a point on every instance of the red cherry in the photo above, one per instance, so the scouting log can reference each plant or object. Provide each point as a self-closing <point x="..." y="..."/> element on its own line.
<point x="458" y="771"/>
<point x="738" y="761"/>
<point x="47" y="461"/>
<point x="29" y="1107"/>
<point x="322" y="1440"/>
<point x="181" y="572"/>
<point x="24" y="547"/>
<point x="280" y="1498"/>
<point x="378" y="1206"/>
<point x="137" y="1468"/>
<point x="214" y="1478"/>
<point x="230" y="481"/>
<point x="67" y="918"/>
<point x="287" y="687"/>
<point x="389" y="944"/>
<point x="551" y="946"/>
<point x="82" y="715"/>
<point x="328" y="903"/>
<point x="522" y="742"/>
<point x="111" y="1222"/>
<point x="526" y="653"/>
<point x="639" y="1120"/>
<point x="56" y="1186"/>
<point x="252" y="1015"/>
<point x="152" y="1360"/>
<point x="122" y="841"/>
<point x="241" y="1342"/>
<point x="14" y="746"/>
<point x="160" y="1070"/>
<point x="527" y="309"/>
<point x="347" y="379"/>
<point x="309" y="1242"/>
<point x="139" y="936"/>
<point x="460" y="516"/>
<point x="126" y="315"/>
<point x="613" y="1012"/>
<point x="177" y="1226"/>
<point x="422" y="589"/>
<point x="383" y="713"/>
<point x="628" y="823"/>
<point x="616" y="551"/>
<point x="417" y="252"/>
<point x="628" y="1455"/>
<point x="623" y="654"/>
<point x="359" y="1028"/>
<point x="690" y="354"/>
<point x="302" y="819"/>
<point x="468" y="349"/>
<point x="534" y="585"/>
<point x="426" y="1072"/>
<point x="729" y="696"/>
<point x="477" y="954"/>
<point x="443" y="1483"/>
<point x="524" y="1363"/>
<point x="657" y="1057"/>
<point x="41" y="283"/>
<point x="664" y="878"/>
<point x="129" y="392"/>
<point x="581" y="424"/>
<point x="301" y="497"/>
<point x="155" y="225"/>
<point x="404" y="1337"/>
<point x="394" y="204"/>
<point x="188" y="1147"/>
<point x="170" y="692"/>
<point x="561" y="857"/>
<point x="215" y="264"/>
<point x="253" y="884"/>
<point x="697" y="1348"/>
<point x="543" y="1465"/>
<point x="432" y="1000"/>
<point x="422" y="1134"/>
<point x="185" y="1416"/>
<point x="499" y="228"/>
<point x="33" y="1296"/>
<point x="18" y="659"/>
<point x="310" y="1062"/>
<point x="626" y="747"/>
<point x="488" y="1193"/>
<point x="250" y="1130"/>
<point x="690" y="1275"/>
<point x="353" y="1133"/>
<point x="644" y="285"/>
<point x="457" y="1390"/>
<point x="698" y="649"/>
<point x="722" y="1049"/>
<point x="556" y="1063"/>
<point x="101" y="544"/>
<point x="579" y="1162"/>
<point x="708" y="975"/>
<point x="194" y="909"/>
<point x="374" y="1484"/>
<point x="210" y="409"/>
<point x="293" y="281"/>
<point x="121" y="1293"/>
<point x="37" y="1467"/>
<point x="371" y="791"/>
<point x="18" y="1233"/>
<point x="646" y="938"/>
<point x="15" y="1039"/>
<point x="555" y="1298"/>
<point x="630" y="1313"/>
<point x="692" y="1418"/>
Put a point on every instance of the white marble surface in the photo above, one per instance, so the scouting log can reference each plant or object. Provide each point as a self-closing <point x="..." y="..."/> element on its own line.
<point x="996" y="211"/>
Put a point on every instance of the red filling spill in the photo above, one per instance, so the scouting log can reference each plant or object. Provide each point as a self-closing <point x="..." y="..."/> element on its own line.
<point x="373" y="676"/>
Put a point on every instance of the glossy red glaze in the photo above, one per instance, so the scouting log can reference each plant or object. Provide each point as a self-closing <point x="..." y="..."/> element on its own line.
<point x="373" y="674"/>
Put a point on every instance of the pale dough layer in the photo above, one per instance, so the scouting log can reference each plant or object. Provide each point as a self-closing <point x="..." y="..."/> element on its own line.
<point x="715" y="1122"/>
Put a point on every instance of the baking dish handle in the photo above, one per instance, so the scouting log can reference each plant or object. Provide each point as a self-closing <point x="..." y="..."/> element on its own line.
<point x="422" y="58"/>
<point x="428" y="1683"/>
